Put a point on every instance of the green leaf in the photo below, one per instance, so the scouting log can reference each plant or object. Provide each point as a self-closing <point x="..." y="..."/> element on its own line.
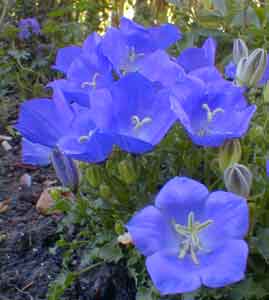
<point x="261" y="241"/>
<point x="110" y="252"/>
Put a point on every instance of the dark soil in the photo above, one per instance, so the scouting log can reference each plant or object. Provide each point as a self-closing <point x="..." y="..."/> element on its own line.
<point x="26" y="265"/>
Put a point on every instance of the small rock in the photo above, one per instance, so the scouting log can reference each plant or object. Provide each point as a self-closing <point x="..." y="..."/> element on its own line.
<point x="26" y="180"/>
<point x="45" y="203"/>
<point x="6" y="146"/>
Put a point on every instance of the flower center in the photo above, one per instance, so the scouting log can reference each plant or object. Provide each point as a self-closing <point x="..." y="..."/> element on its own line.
<point x="137" y="123"/>
<point x="209" y="117"/>
<point x="85" y="138"/>
<point x="129" y="66"/>
<point x="191" y="242"/>
<point x="90" y="83"/>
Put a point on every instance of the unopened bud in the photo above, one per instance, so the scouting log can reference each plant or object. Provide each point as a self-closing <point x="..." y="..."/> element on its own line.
<point x="250" y="70"/>
<point x="127" y="171"/>
<point x="240" y="50"/>
<point x="238" y="180"/>
<point x="125" y="239"/>
<point x="93" y="175"/>
<point x="65" y="169"/>
<point x="229" y="154"/>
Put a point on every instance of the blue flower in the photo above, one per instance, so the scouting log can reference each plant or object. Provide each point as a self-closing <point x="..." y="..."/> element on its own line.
<point x="195" y="58"/>
<point x="28" y="27"/>
<point x="126" y="46"/>
<point x="230" y="70"/>
<point x="135" y="113"/>
<point x="86" y="69"/>
<point x="51" y="123"/>
<point x="211" y="113"/>
<point x="192" y="237"/>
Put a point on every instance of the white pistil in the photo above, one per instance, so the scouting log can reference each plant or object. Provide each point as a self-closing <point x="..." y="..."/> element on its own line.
<point x="191" y="242"/>
<point x="140" y="123"/>
<point x="85" y="138"/>
<point x="211" y="114"/>
<point x="90" y="83"/>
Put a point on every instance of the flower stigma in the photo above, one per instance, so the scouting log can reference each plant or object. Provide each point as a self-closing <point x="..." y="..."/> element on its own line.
<point x="85" y="138"/>
<point x="210" y="116"/>
<point x="90" y="83"/>
<point x="191" y="242"/>
<point x="137" y="123"/>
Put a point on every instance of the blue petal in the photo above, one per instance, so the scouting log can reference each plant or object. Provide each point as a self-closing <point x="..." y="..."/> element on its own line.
<point x="230" y="70"/>
<point x="115" y="48"/>
<point x="209" y="47"/>
<point x="172" y="275"/>
<point x="229" y="214"/>
<point x="151" y="232"/>
<point x="146" y="40"/>
<point x="40" y="123"/>
<point x="72" y="91"/>
<point x="159" y="67"/>
<point x="207" y="74"/>
<point x="226" y="265"/>
<point x="179" y="197"/>
<point x="65" y="57"/>
<point x="35" y="154"/>
<point x="267" y="168"/>
<point x="95" y="149"/>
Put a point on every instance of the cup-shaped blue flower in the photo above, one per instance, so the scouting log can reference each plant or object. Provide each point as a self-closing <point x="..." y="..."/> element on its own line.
<point x="86" y="68"/>
<point x="51" y="123"/>
<point x="126" y="46"/>
<point x="195" y="58"/>
<point x="211" y="113"/>
<point x="134" y="112"/>
<point x="192" y="237"/>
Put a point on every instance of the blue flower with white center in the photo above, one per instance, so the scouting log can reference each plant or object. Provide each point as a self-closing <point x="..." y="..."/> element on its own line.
<point x="134" y="112"/>
<point x="127" y="46"/>
<point x="86" y="68"/>
<point x="192" y="237"/>
<point x="211" y="113"/>
<point x="56" y="124"/>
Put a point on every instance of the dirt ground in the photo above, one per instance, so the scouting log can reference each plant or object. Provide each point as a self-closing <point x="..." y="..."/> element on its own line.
<point x="26" y="264"/>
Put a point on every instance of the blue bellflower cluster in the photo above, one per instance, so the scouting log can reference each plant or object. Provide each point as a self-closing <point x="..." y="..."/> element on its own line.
<point x="28" y="27"/>
<point x="123" y="89"/>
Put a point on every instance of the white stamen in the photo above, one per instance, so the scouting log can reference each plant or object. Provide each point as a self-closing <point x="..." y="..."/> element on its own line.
<point x="140" y="123"/>
<point x="90" y="83"/>
<point x="191" y="242"/>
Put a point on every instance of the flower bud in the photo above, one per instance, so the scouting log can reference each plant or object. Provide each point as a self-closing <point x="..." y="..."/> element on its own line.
<point x="229" y="154"/>
<point x="240" y="50"/>
<point x="238" y="180"/>
<point x="93" y="175"/>
<point x="65" y="169"/>
<point x="127" y="171"/>
<point x="125" y="239"/>
<point x="250" y="70"/>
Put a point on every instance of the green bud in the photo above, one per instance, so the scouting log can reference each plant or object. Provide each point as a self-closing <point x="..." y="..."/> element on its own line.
<point x="238" y="180"/>
<point x="266" y="93"/>
<point x="93" y="175"/>
<point x="105" y="191"/>
<point x="250" y="69"/>
<point x="127" y="171"/>
<point x="240" y="50"/>
<point x="229" y="154"/>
